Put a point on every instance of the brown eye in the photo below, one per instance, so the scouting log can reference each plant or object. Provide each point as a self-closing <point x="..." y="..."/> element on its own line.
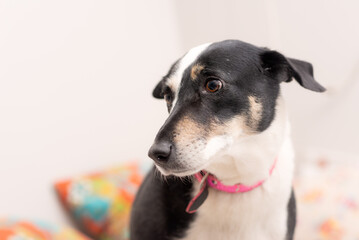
<point x="213" y="85"/>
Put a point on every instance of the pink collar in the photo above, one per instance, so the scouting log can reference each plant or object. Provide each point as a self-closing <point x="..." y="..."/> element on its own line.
<point x="206" y="179"/>
<point x="213" y="182"/>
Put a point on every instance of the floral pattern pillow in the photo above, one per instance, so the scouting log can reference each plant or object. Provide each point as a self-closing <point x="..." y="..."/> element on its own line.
<point x="101" y="202"/>
<point x="14" y="229"/>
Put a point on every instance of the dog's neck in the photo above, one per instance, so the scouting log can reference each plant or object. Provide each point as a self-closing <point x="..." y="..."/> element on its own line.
<point x="249" y="158"/>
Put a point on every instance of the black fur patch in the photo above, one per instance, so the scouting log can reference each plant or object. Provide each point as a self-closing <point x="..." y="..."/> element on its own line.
<point x="292" y="217"/>
<point x="159" y="208"/>
<point x="284" y="69"/>
<point x="238" y="65"/>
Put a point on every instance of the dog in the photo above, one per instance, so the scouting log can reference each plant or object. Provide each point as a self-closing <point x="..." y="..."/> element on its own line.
<point x="224" y="153"/>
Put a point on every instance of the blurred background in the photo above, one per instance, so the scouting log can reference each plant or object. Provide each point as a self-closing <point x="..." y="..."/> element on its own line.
<point x="76" y="79"/>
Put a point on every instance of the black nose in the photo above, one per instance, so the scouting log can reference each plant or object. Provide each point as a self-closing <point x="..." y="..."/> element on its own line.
<point x="160" y="152"/>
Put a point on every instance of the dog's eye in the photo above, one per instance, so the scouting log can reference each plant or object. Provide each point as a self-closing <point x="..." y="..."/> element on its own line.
<point x="213" y="85"/>
<point x="168" y="97"/>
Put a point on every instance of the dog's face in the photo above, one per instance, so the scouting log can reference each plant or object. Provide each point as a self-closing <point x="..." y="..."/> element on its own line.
<point x="217" y="93"/>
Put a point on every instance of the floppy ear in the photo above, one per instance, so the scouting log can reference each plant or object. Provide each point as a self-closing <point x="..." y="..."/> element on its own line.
<point x="285" y="69"/>
<point x="158" y="91"/>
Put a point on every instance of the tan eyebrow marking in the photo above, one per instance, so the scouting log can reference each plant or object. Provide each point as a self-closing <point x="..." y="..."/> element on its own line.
<point x="196" y="69"/>
<point x="255" y="109"/>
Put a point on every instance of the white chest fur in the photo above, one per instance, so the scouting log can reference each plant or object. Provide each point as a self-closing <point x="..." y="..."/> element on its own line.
<point x="260" y="214"/>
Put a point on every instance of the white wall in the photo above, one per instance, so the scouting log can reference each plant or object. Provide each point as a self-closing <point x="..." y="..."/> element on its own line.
<point x="76" y="80"/>
<point x="75" y="92"/>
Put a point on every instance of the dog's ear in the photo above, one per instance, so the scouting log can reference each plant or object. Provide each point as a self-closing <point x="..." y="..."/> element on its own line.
<point x="158" y="91"/>
<point x="285" y="69"/>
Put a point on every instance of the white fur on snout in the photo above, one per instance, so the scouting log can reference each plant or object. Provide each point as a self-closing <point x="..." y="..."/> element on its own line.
<point x="215" y="145"/>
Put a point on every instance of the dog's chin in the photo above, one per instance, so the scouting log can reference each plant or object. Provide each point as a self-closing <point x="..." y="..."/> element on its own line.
<point x="176" y="172"/>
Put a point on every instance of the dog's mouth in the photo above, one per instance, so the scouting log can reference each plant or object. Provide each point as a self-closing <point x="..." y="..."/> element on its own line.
<point x="179" y="171"/>
<point x="175" y="172"/>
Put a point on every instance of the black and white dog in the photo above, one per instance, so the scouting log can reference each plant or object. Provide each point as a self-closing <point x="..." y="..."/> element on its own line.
<point x="225" y="149"/>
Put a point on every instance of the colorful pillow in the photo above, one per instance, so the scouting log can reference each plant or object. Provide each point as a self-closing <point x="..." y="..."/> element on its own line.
<point x="13" y="229"/>
<point x="100" y="203"/>
<point x="328" y="199"/>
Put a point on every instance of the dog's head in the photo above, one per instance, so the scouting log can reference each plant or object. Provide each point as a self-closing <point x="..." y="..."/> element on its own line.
<point x="218" y="92"/>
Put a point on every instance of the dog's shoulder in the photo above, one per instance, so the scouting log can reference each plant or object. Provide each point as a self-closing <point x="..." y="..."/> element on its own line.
<point x="159" y="208"/>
